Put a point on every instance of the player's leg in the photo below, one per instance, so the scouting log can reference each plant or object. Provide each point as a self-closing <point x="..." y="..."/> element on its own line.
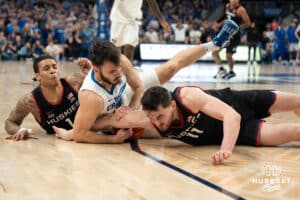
<point x="188" y="56"/>
<point x="275" y="134"/>
<point x="128" y="51"/>
<point x="230" y="50"/>
<point x="286" y="102"/>
<point x="125" y="36"/>
<point x="222" y="71"/>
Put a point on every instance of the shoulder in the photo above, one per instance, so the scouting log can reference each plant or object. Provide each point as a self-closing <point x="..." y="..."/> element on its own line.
<point x="241" y="9"/>
<point x="75" y="80"/>
<point x="28" y="99"/>
<point x="91" y="97"/>
<point x="189" y="95"/>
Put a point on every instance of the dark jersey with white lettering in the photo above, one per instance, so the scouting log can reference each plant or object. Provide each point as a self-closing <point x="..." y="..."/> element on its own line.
<point x="61" y="114"/>
<point x="201" y="129"/>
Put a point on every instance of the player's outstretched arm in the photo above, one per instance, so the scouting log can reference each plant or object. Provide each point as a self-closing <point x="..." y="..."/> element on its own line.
<point x="16" y="117"/>
<point x="199" y="101"/>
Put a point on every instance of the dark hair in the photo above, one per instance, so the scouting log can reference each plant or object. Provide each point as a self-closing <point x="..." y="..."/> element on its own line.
<point x="102" y="51"/>
<point x="154" y="97"/>
<point x="38" y="60"/>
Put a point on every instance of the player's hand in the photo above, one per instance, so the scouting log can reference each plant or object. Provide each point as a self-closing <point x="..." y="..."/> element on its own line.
<point x="122" y="135"/>
<point x="84" y="64"/>
<point x="22" y="134"/>
<point x="220" y="156"/>
<point x="121" y="112"/>
<point x="166" y="27"/>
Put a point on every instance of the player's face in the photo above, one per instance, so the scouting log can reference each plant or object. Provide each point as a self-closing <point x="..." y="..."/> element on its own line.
<point x="234" y="2"/>
<point x="48" y="72"/>
<point x="162" y="118"/>
<point x="110" y="73"/>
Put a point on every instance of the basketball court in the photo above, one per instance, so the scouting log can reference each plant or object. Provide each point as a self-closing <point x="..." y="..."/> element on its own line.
<point x="43" y="167"/>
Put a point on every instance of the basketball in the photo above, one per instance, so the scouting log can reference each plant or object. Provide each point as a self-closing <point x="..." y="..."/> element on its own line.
<point x="137" y="133"/>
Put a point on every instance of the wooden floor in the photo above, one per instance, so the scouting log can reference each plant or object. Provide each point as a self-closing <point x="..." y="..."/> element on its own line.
<point x="47" y="168"/>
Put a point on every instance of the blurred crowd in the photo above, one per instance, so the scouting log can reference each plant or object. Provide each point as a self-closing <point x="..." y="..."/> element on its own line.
<point x="65" y="29"/>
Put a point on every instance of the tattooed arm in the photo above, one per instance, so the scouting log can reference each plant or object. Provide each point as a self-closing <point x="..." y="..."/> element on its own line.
<point x="75" y="80"/>
<point x="24" y="106"/>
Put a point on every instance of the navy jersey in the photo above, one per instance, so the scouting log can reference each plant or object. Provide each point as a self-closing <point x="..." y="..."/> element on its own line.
<point x="201" y="129"/>
<point x="61" y="114"/>
<point x="194" y="128"/>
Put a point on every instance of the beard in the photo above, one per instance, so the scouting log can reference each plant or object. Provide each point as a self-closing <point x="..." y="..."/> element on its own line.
<point x="168" y="124"/>
<point x="106" y="80"/>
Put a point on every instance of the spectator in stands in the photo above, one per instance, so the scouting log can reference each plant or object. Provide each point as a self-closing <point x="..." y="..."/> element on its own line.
<point x="152" y="35"/>
<point x="195" y="34"/>
<point x="266" y="49"/>
<point x="38" y="49"/>
<point x="3" y="42"/>
<point x="280" y="47"/>
<point x="292" y="42"/>
<point x="53" y="50"/>
<point x="297" y="34"/>
<point x="179" y="30"/>
<point x="9" y="51"/>
<point x="252" y="39"/>
<point x="25" y="52"/>
<point x="73" y="46"/>
<point x="87" y="36"/>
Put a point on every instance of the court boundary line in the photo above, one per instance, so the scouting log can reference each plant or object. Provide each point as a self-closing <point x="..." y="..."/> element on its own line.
<point x="135" y="147"/>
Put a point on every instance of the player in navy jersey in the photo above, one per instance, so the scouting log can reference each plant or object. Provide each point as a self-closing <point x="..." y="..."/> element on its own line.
<point x="53" y="103"/>
<point x="226" y="117"/>
<point x="236" y="12"/>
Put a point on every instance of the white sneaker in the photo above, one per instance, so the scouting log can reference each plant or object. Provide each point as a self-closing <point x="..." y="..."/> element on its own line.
<point x="220" y="74"/>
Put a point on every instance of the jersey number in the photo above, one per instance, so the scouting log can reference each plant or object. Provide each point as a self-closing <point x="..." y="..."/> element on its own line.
<point x="68" y="120"/>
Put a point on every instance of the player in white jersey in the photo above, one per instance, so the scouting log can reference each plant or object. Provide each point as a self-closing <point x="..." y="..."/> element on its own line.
<point x="104" y="89"/>
<point x="126" y="17"/>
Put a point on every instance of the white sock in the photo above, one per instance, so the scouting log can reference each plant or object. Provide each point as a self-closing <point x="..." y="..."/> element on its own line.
<point x="210" y="46"/>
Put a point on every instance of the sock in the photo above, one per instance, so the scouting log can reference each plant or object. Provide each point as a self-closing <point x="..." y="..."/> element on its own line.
<point x="210" y="46"/>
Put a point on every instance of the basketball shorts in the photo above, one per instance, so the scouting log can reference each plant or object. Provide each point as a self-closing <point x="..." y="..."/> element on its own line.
<point x="234" y="42"/>
<point x="253" y="106"/>
<point x="149" y="79"/>
<point x="124" y="34"/>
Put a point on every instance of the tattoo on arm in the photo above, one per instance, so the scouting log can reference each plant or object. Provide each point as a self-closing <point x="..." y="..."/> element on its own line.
<point x="24" y="106"/>
<point x="75" y="80"/>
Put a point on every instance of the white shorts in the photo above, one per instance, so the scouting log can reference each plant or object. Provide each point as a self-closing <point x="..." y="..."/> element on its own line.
<point x="149" y="79"/>
<point x="122" y="34"/>
<point x="293" y="47"/>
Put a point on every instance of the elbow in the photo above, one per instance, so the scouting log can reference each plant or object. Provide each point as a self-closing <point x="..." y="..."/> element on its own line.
<point x="7" y="127"/>
<point x="236" y="117"/>
<point x="248" y="24"/>
<point x="79" y="136"/>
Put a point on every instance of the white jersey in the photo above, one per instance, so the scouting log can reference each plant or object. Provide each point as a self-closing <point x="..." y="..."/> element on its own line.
<point x="111" y="99"/>
<point x="127" y="11"/>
